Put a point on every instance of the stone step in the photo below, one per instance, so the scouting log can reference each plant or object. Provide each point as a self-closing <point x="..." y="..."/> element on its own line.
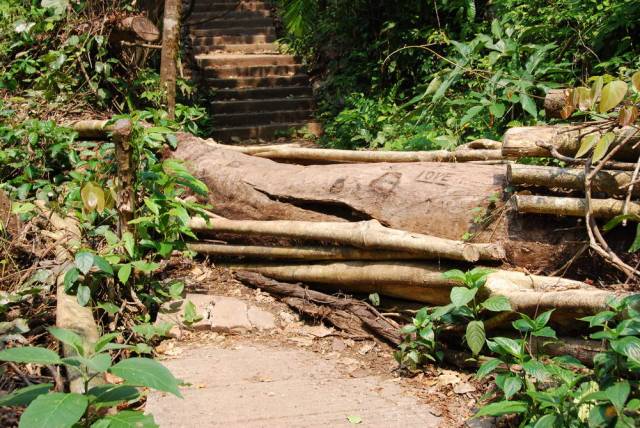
<point x="227" y="14"/>
<point x="223" y="23"/>
<point x="263" y="93"/>
<point x="255" y="48"/>
<point x="237" y="60"/>
<point x="252" y="71"/>
<point x="201" y="6"/>
<point x="262" y="118"/>
<point x="232" y="40"/>
<point x="233" y="31"/>
<point x="264" y="132"/>
<point x="259" y="82"/>
<point x="272" y="104"/>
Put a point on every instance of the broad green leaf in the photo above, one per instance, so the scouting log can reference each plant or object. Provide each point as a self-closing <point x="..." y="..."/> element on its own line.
<point x="124" y="273"/>
<point x="83" y="295"/>
<point x="497" y="109"/>
<point x="547" y="421"/>
<point x="59" y="7"/>
<point x="54" y="410"/>
<point x="109" y="395"/>
<point x="542" y="319"/>
<point x="68" y="337"/>
<point x="103" y="340"/>
<point x="497" y="304"/>
<point x="70" y="278"/>
<point x="30" y="354"/>
<point x="146" y="372"/>
<point x="488" y="367"/>
<point x="374" y="298"/>
<point x="93" y="197"/>
<point x="470" y="114"/>
<point x="434" y="85"/>
<point x="191" y="315"/>
<point x="528" y="105"/>
<point x="102" y="264"/>
<point x="618" y="394"/>
<point x="635" y="245"/>
<point x="596" y="88"/>
<point x="460" y="296"/>
<point x="108" y="307"/>
<point x="502" y="408"/>
<point x="145" y="267"/>
<point x="26" y="395"/>
<point x="612" y="94"/>
<point x="84" y="261"/>
<point x="475" y="336"/>
<point x="455" y="274"/>
<point x="586" y="143"/>
<point x="628" y="346"/>
<point x="176" y="289"/>
<point x="619" y="219"/>
<point x="128" y="419"/>
<point x="545" y="332"/>
<point x="603" y="146"/>
<point x="509" y="345"/>
<point x="536" y="369"/>
<point x="635" y="80"/>
<point x="128" y="243"/>
<point x="511" y="385"/>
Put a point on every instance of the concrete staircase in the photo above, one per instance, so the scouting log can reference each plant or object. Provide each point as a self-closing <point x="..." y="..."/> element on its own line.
<point x="259" y="92"/>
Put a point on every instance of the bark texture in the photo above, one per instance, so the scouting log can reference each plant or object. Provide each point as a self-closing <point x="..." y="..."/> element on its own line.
<point x="134" y="29"/>
<point x="574" y="207"/>
<point x="169" y="54"/>
<point x="125" y="193"/>
<point x="557" y="103"/>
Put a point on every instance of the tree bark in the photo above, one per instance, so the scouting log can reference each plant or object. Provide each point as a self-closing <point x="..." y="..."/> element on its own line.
<point x="574" y="207"/>
<point x="125" y="178"/>
<point x="298" y="253"/>
<point x="557" y="104"/>
<point x="134" y="29"/>
<point x="367" y="234"/>
<point x="169" y="54"/>
<point x="522" y="141"/>
<point x="612" y="182"/>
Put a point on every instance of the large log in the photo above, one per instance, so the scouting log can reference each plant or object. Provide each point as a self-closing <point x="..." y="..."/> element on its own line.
<point x="134" y="29"/>
<point x="574" y="207"/>
<point x="612" y="182"/>
<point x="447" y="200"/>
<point x="557" y="103"/>
<point x="366" y="234"/>
<point x="522" y="142"/>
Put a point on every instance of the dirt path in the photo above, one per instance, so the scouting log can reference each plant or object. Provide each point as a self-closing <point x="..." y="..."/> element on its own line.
<point x="252" y="363"/>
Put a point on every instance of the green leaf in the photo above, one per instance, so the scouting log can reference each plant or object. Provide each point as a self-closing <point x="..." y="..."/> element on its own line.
<point x="528" y="105"/>
<point x="54" y="410"/>
<point x="103" y="340"/>
<point x="84" y="261"/>
<point x="355" y="420"/>
<point x="635" y="80"/>
<point x="488" y="367"/>
<point x="456" y="275"/>
<point x="93" y="197"/>
<point x="102" y="264"/>
<point x="475" y="336"/>
<point x="612" y="94"/>
<point x="635" y="245"/>
<point x="497" y="304"/>
<point x="70" y="278"/>
<point x="471" y="113"/>
<point x="596" y="88"/>
<point x="586" y="143"/>
<point x="509" y="345"/>
<point x="536" y="369"/>
<point x="124" y="273"/>
<point x="108" y="307"/>
<point x="628" y="346"/>
<point x="460" y="296"/>
<point x="176" y="289"/>
<point x="434" y="85"/>
<point x="68" y="337"/>
<point x="83" y="295"/>
<point x="603" y="146"/>
<point x="128" y="243"/>
<point x="545" y="332"/>
<point x="547" y="421"/>
<point x="30" y="354"/>
<point x="128" y="419"/>
<point x="109" y="395"/>
<point x="542" y="319"/>
<point x="146" y="372"/>
<point x="618" y="394"/>
<point x="497" y="109"/>
<point x="374" y="298"/>
<point x="619" y="219"/>
<point x="145" y="267"/>
<point x="26" y="395"/>
<point x="502" y="408"/>
<point x="510" y="386"/>
<point x="191" y="315"/>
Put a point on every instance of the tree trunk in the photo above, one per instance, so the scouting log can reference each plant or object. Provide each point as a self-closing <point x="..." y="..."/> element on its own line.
<point x="367" y="234"/>
<point x="574" y="207"/>
<point x="125" y="192"/>
<point x="612" y="182"/>
<point x="522" y="141"/>
<point x="169" y="54"/>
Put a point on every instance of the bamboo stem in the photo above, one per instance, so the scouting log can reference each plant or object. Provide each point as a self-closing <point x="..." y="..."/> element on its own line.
<point x="573" y="207"/>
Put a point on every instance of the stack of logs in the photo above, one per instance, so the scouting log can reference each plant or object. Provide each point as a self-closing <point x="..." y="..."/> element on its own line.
<point x="393" y="222"/>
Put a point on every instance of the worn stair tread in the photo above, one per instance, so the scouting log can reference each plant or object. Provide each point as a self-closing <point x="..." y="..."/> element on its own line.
<point x="252" y="71"/>
<point x="239" y="60"/>
<point x="258" y="82"/>
<point x="258" y="132"/>
<point x="233" y="31"/>
<point x="214" y="14"/>
<point x="262" y="117"/>
<point x="233" y="5"/>
<point x="245" y="48"/>
<point x="256" y="105"/>
<point x="262" y="93"/>
<point x="235" y="22"/>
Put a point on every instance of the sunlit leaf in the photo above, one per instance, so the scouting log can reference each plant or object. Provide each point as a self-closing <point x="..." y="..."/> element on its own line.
<point x="93" y="197"/>
<point x="587" y="143"/>
<point x="583" y="98"/>
<point x="502" y="408"/>
<point x="612" y="95"/>
<point x="596" y="88"/>
<point x="602" y="146"/>
<point x="54" y="410"/>
<point x="434" y="85"/>
<point x="475" y="336"/>
<point x="635" y="80"/>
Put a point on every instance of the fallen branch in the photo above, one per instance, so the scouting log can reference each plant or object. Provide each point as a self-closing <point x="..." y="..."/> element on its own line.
<point x="366" y="234"/>
<point x="574" y="207"/>
<point x="612" y="182"/>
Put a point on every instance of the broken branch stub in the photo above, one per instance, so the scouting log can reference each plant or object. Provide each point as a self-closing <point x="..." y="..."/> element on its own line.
<point x="366" y="234"/>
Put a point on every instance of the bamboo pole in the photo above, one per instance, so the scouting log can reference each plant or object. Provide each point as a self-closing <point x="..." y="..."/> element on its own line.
<point x="366" y="234"/>
<point x="574" y="207"/>
<point x="298" y="253"/>
<point x="522" y="141"/>
<point x="612" y="182"/>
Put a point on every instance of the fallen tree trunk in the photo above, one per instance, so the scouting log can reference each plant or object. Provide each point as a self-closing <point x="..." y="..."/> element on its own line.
<point x="522" y="142"/>
<point x="425" y="283"/>
<point x="612" y="182"/>
<point x="574" y="207"/>
<point x="370" y="318"/>
<point x="134" y="29"/>
<point x="298" y="253"/>
<point x="367" y="234"/>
